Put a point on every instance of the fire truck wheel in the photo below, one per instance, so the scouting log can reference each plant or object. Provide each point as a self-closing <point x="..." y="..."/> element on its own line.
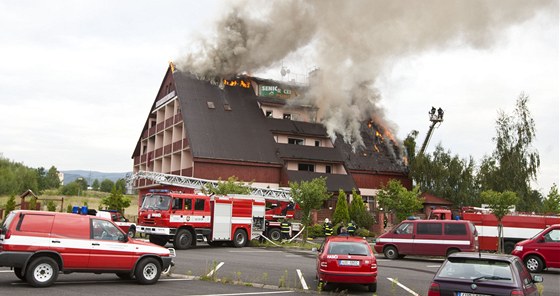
<point x="148" y="271"/>
<point x="534" y="263"/>
<point x="131" y="231"/>
<point x="391" y="252"/>
<point x="508" y="247"/>
<point x="19" y="273"/>
<point x="42" y="272"/>
<point x="183" y="239"/>
<point x="239" y="238"/>
<point x="158" y="240"/>
<point x="274" y="234"/>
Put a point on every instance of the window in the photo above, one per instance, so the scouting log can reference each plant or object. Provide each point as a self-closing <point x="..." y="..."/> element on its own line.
<point x="199" y="205"/>
<point x="405" y="228"/>
<point x="105" y="230"/>
<point x="294" y="141"/>
<point x="177" y="204"/>
<point x="188" y="204"/>
<point x="268" y="113"/>
<point x="455" y="229"/>
<point x="317" y="143"/>
<point x="36" y="223"/>
<point x="287" y="116"/>
<point x="429" y="228"/>
<point x="306" y="167"/>
<point x="210" y="105"/>
<point x="328" y="169"/>
<point x="227" y="107"/>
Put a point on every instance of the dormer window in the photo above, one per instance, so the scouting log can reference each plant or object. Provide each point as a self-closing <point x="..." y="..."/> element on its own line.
<point x="287" y="116"/>
<point x="295" y="141"/>
<point x="268" y="114"/>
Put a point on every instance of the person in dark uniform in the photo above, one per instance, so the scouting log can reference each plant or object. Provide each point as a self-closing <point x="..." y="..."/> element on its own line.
<point x="327" y="228"/>
<point x="285" y="226"/>
<point x="351" y="228"/>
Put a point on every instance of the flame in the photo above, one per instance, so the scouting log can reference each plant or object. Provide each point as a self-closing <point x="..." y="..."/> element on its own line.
<point x="242" y="83"/>
<point x="376" y="149"/>
<point x="378" y="134"/>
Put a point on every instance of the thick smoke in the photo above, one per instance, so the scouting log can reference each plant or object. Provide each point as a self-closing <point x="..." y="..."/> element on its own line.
<point x="352" y="43"/>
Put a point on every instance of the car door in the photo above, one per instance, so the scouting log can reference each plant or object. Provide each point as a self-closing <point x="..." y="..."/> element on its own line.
<point x="550" y="247"/>
<point x="403" y="238"/>
<point x="70" y="236"/>
<point x="428" y="239"/>
<point x="109" y="249"/>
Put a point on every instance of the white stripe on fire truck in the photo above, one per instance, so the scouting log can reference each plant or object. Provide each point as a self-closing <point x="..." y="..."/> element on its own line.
<point x="189" y="218"/>
<point x="104" y="245"/>
<point x="518" y="232"/>
<point x="425" y="241"/>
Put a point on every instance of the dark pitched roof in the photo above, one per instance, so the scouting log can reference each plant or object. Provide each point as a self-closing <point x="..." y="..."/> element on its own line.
<point x="296" y="127"/>
<point x="301" y="152"/>
<point x="334" y="181"/>
<point x="235" y="134"/>
<point x="432" y="199"/>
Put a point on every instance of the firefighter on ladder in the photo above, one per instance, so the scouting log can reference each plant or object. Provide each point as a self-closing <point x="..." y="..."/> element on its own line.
<point x="285" y="229"/>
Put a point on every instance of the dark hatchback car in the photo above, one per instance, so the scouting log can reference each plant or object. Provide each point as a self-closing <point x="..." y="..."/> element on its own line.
<point x="481" y="274"/>
<point x="347" y="260"/>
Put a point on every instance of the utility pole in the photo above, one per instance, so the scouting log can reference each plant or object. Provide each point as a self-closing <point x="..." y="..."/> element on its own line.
<point x="435" y="118"/>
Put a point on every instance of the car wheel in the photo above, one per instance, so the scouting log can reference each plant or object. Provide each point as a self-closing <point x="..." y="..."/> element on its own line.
<point x="148" y="271"/>
<point x="391" y="252"/>
<point x="183" y="239"/>
<point x="125" y="275"/>
<point x="534" y="263"/>
<point x="239" y="238"/>
<point x="19" y="274"/>
<point x="42" y="272"/>
<point x="372" y="287"/>
<point x="158" y="240"/>
<point x="274" y="234"/>
<point x="131" y="232"/>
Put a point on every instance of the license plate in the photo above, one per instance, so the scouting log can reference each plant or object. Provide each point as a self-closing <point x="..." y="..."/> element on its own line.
<point x="470" y="294"/>
<point x="349" y="263"/>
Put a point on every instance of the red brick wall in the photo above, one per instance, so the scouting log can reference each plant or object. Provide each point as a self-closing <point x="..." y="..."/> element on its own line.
<point x="244" y="172"/>
<point x="376" y="181"/>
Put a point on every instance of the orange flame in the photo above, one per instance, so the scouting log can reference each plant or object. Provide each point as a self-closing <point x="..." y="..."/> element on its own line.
<point x="376" y="149"/>
<point x="242" y="83"/>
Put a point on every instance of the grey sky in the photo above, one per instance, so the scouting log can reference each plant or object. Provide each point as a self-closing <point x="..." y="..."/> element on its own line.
<point x="77" y="79"/>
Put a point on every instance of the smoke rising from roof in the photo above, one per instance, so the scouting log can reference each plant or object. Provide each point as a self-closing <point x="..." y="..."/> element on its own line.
<point x="352" y="43"/>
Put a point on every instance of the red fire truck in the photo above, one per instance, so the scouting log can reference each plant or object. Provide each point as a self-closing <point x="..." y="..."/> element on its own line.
<point x="162" y="228"/>
<point x="516" y="226"/>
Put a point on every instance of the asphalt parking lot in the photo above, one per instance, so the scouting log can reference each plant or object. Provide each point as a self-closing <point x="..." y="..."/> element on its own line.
<point x="207" y="270"/>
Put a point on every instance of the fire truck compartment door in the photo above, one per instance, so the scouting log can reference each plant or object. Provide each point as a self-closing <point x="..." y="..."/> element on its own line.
<point x="221" y="228"/>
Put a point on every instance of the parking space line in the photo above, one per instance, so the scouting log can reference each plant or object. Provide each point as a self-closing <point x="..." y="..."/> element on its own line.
<point x="215" y="269"/>
<point x="302" y="280"/>
<point x="249" y="293"/>
<point x="403" y="286"/>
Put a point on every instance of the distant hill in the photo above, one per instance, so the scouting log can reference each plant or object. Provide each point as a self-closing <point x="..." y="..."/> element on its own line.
<point x="90" y="176"/>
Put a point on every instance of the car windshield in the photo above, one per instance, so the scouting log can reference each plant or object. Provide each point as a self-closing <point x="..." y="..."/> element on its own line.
<point x="478" y="269"/>
<point x="156" y="202"/>
<point x="347" y="248"/>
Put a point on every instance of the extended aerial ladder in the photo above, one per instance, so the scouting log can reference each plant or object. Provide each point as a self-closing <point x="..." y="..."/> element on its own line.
<point x="282" y="195"/>
<point x="435" y="119"/>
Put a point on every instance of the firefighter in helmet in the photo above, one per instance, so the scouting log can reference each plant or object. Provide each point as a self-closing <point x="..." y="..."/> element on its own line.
<point x="351" y="227"/>
<point x="327" y="228"/>
<point x="285" y="226"/>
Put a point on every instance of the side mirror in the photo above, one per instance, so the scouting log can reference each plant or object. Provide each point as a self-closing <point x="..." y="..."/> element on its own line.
<point x="537" y="278"/>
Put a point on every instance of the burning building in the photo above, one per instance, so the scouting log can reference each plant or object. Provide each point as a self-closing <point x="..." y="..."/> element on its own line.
<point x="256" y="130"/>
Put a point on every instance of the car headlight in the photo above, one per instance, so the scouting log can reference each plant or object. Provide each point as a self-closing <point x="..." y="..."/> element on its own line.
<point x="519" y="248"/>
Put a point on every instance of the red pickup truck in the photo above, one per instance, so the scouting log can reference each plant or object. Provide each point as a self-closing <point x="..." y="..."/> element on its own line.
<point x="38" y="245"/>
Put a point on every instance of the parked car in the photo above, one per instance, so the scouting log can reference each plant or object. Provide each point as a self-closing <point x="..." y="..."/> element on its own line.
<point x="542" y="251"/>
<point x="428" y="238"/>
<point x="38" y="245"/>
<point x="347" y="259"/>
<point x="470" y="273"/>
<point x="119" y="219"/>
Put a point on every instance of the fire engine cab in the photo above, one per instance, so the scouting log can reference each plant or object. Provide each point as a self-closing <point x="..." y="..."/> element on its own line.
<point x="180" y="218"/>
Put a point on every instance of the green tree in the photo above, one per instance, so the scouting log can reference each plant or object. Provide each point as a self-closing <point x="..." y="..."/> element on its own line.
<point x="341" y="214"/>
<point x="116" y="200"/>
<point x="70" y="189"/>
<point x="10" y="205"/>
<point x="95" y="185"/>
<point x="358" y="211"/>
<point x="447" y="176"/>
<point x="410" y="145"/>
<point x="514" y="162"/>
<point x="397" y="199"/>
<point x="499" y="203"/>
<point x="309" y="195"/>
<point x="106" y="185"/>
<point x="551" y="205"/>
<point x="52" y="181"/>
<point x="82" y="183"/>
<point x="32" y="203"/>
<point x="51" y="206"/>
<point x="41" y="178"/>
<point x="231" y="186"/>
<point x="121" y="185"/>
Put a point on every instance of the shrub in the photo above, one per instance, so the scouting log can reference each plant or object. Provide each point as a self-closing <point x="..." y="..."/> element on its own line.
<point x="315" y="231"/>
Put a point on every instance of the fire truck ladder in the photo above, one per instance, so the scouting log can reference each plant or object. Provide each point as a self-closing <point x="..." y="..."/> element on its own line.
<point x="198" y="184"/>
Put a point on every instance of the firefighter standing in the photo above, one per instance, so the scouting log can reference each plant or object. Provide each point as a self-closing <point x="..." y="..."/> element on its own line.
<point x="285" y="229"/>
<point x="351" y="228"/>
<point x="327" y="228"/>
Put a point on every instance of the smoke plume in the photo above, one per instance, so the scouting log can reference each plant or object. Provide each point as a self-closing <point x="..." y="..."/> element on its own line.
<point x="352" y="43"/>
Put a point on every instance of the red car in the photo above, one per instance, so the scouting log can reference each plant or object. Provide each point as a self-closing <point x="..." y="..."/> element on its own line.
<point x="542" y="251"/>
<point x="346" y="259"/>
<point x="40" y="245"/>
